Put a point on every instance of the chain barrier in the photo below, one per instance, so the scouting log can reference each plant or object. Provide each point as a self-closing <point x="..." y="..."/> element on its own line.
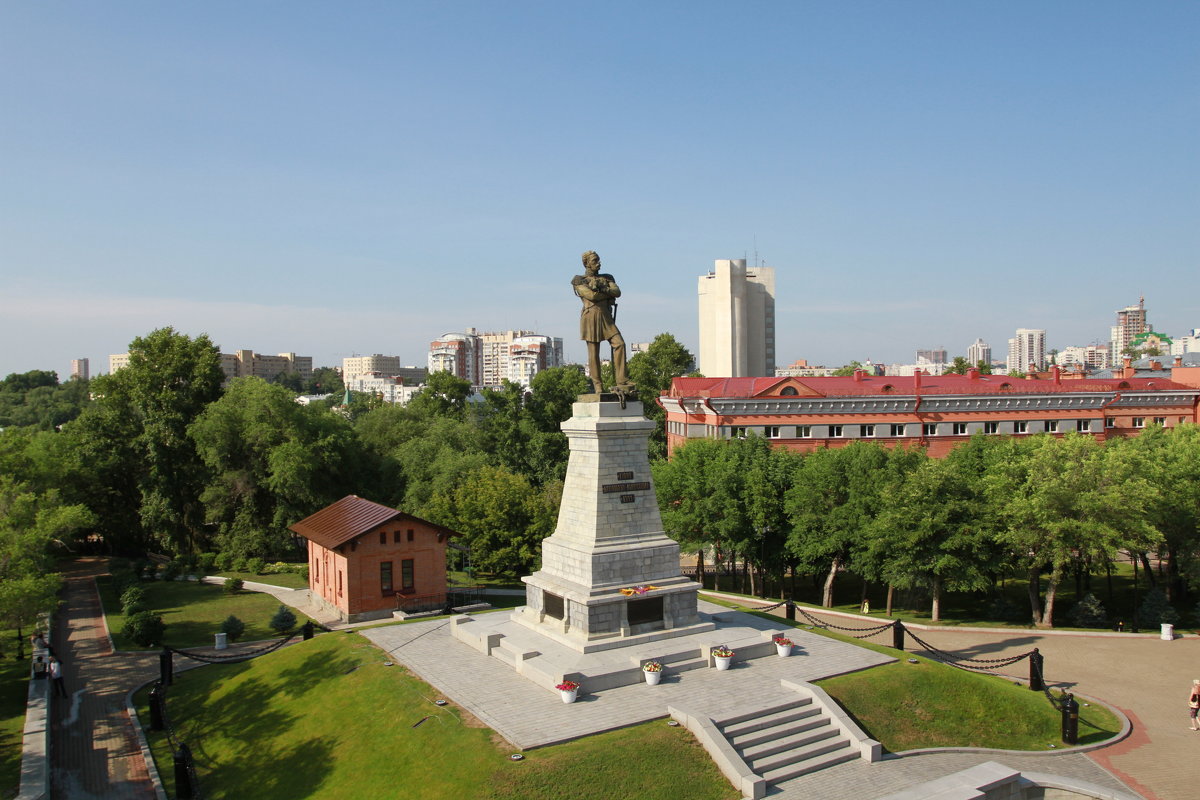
<point x="863" y="633"/>
<point x="947" y="657"/>
<point x="181" y="753"/>
<point x="234" y="658"/>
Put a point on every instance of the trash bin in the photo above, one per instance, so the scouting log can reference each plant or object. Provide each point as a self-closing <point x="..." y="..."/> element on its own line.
<point x="1168" y="632"/>
<point x="222" y="641"/>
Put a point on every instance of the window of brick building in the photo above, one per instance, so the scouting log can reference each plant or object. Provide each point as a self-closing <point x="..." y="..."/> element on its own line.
<point x="407" y="579"/>
<point x="385" y="577"/>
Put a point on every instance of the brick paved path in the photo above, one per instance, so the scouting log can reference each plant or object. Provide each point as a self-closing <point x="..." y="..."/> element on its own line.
<point x="93" y="752"/>
<point x="1145" y="677"/>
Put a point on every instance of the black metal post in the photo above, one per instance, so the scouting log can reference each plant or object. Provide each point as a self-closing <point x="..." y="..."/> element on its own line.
<point x="789" y="610"/>
<point x="308" y="630"/>
<point x="156" y="711"/>
<point x="898" y="635"/>
<point x="165" y="667"/>
<point x="1035" y="671"/>
<point x="1070" y="720"/>
<point x="183" y="773"/>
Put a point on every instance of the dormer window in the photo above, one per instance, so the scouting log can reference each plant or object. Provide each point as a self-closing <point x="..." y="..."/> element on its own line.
<point x="788" y="391"/>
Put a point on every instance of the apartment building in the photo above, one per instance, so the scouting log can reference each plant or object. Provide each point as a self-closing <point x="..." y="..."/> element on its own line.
<point x="737" y="319"/>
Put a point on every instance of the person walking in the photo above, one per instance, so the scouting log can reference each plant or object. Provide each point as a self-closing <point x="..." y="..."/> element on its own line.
<point x="56" y="677"/>
<point x="1194" y="704"/>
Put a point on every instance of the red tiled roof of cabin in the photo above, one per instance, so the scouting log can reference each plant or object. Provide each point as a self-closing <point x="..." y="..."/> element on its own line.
<point x="906" y="385"/>
<point x="350" y="518"/>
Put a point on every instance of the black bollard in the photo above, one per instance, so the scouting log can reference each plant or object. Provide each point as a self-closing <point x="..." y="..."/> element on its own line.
<point x="898" y="635"/>
<point x="156" y="711"/>
<point x="183" y="773"/>
<point x="789" y="610"/>
<point x="1070" y="720"/>
<point x="1035" y="671"/>
<point x="165" y="667"/>
<point x="308" y="630"/>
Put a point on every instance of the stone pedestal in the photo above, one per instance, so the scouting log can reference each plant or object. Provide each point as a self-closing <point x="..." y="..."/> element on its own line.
<point x="610" y="577"/>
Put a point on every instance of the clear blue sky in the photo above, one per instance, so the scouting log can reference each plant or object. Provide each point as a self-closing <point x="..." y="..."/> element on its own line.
<point x="338" y="178"/>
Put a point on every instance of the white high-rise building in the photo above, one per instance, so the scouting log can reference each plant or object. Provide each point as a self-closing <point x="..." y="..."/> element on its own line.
<point x="1027" y="348"/>
<point x="1095" y="356"/>
<point x="79" y="369"/>
<point x="353" y="366"/>
<point x="737" y="320"/>
<point x="1186" y="344"/>
<point x="979" y="351"/>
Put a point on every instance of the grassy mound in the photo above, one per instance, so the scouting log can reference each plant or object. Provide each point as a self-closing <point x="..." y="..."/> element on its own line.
<point x="14" y="689"/>
<point x="193" y="612"/>
<point x="327" y="719"/>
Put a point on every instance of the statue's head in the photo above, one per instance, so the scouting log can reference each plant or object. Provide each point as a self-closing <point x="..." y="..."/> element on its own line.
<point x="591" y="261"/>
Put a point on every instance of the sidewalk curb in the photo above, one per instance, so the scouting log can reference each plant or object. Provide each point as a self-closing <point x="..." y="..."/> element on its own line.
<point x="147" y="755"/>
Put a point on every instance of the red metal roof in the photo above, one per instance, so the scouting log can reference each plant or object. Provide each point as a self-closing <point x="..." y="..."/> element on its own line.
<point x="350" y="518"/>
<point x="887" y="384"/>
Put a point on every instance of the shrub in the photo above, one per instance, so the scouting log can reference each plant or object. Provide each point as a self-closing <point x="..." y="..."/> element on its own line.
<point x="145" y="628"/>
<point x="1156" y="610"/>
<point x="124" y="580"/>
<point x="145" y="569"/>
<point x="237" y="564"/>
<point x="189" y="564"/>
<point x="133" y="600"/>
<point x="233" y="628"/>
<point x="255" y="566"/>
<point x="1088" y="613"/>
<point x="223" y="562"/>
<point x="283" y="621"/>
<point x="233" y="585"/>
<point x="172" y="570"/>
<point x="303" y="571"/>
<point x="206" y="562"/>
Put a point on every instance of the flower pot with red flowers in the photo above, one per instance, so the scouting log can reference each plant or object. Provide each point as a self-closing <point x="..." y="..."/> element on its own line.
<point x="783" y="646"/>
<point x="653" y="672"/>
<point x="569" y="690"/>
<point x="722" y="657"/>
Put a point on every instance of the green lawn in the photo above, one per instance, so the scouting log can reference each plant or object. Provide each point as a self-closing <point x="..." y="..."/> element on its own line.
<point x="460" y="578"/>
<point x="14" y="689"/>
<point x="326" y="719"/>
<point x="193" y="612"/>
<point x="907" y="706"/>
<point x="288" y="580"/>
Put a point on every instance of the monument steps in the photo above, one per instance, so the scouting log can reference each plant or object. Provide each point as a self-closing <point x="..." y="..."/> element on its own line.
<point x="786" y="740"/>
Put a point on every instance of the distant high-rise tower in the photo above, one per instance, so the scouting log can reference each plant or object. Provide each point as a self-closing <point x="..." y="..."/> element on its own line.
<point x="1131" y="321"/>
<point x="79" y="368"/>
<point x="935" y="356"/>
<point x="980" y="351"/>
<point x="1026" y="349"/>
<point x="737" y="320"/>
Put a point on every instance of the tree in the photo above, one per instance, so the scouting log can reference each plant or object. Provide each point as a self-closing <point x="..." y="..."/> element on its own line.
<point x="271" y="462"/>
<point x="150" y="404"/>
<point x="848" y="370"/>
<point x="652" y="370"/>
<point x="283" y="621"/>
<point x="1067" y="502"/>
<point x="984" y="367"/>
<point x="145" y="628"/>
<point x="233" y="628"/>
<point x="958" y="367"/>
<point x="444" y="395"/>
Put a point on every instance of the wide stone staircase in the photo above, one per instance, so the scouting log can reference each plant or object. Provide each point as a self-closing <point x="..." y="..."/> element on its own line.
<point x="787" y="740"/>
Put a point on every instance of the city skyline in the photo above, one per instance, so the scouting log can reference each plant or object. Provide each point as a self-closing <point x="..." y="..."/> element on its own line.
<point x="331" y="181"/>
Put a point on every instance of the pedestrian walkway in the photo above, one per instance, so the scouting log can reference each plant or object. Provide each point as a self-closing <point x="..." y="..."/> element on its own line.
<point x="94" y="752"/>
<point x="1143" y="676"/>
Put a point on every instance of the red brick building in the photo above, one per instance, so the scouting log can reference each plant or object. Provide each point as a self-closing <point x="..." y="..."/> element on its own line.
<point x="366" y="559"/>
<point x="933" y="412"/>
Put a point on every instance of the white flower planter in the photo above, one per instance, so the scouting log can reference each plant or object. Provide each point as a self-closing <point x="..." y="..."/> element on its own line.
<point x="723" y="662"/>
<point x="783" y="650"/>
<point x="569" y="696"/>
<point x="653" y="678"/>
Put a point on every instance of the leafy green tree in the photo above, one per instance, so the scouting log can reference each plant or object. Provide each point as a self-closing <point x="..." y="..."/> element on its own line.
<point x="957" y="367"/>
<point x="552" y="392"/>
<point x="848" y="370"/>
<point x="38" y="401"/>
<point x="835" y="494"/>
<point x="443" y="395"/>
<point x="1065" y="503"/>
<point x="984" y="367"/>
<point x="652" y="370"/>
<point x="325" y="380"/>
<point x="145" y="628"/>
<point x="272" y="462"/>
<point x="289" y="380"/>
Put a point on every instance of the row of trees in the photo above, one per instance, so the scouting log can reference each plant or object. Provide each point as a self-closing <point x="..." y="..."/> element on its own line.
<point x="163" y="457"/>
<point x="1048" y="508"/>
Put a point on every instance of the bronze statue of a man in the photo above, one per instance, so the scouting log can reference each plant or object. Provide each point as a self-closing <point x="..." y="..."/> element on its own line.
<point x="597" y="323"/>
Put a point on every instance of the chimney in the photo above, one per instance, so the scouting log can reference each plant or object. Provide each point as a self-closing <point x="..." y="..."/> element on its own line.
<point x="1155" y="364"/>
<point x="1128" y="362"/>
<point x="917" y="379"/>
<point x="1033" y="370"/>
<point x="1055" y="373"/>
<point x="858" y="375"/>
<point x="1178" y="361"/>
<point x="972" y="374"/>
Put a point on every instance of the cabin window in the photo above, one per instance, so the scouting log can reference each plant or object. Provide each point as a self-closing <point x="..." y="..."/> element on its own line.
<point x="1021" y="427"/>
<point x="866" y="430"/>
<point x="1160" y="421"/>
<point x="410" y="534"/>
<point x="339" y="583"/>
<point x="383" y="537"/>
<point x="1139" y="422"/>
<point x="772" y="431"/>
<point x="407" y="580"/>
<point x="1051" y="426"/>
<point x="991" y="427"/>
<point x="788" y="391"/>
<point x="929" y="429"/>
<point x="396" y="536"/>
<point x="897" y="430"/>
<point x="1085" y="426"/>
<point x="385" y="577"/>
<point x="835" y="431"/>
<point x="960" y="429"/>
